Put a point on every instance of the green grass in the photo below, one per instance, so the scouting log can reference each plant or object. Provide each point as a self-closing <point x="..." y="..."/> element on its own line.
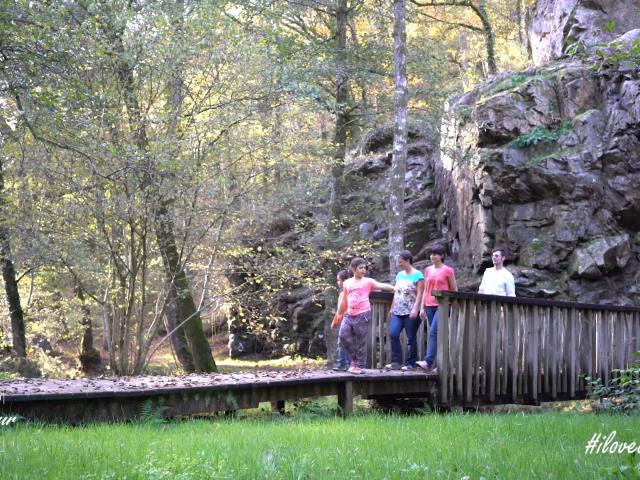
<point x="550" y="445"/>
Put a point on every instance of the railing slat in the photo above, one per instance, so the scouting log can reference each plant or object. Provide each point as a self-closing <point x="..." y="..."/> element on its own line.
<point x="572" y="334"/>
<point x="492" y="331"/>
<point x="443" y="350"/>
<point x="477" y="359"/>
<point x="460" y="308"/>
<point x="506" y="349"/>
<point x="545" y="351"/>
<point x="564" y="365"/>
<point x="513" y="356"/>
<point x="535" y="373"/>
<point x="469" y="350"/>
<point x="553" y="350"/>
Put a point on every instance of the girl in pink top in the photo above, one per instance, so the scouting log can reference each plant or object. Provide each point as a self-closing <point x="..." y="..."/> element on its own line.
<point x="437" y="277"/>
<point x="353" y="331"/>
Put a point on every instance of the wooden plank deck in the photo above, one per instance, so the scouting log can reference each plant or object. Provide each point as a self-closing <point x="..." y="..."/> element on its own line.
<point x="112" y="399"/>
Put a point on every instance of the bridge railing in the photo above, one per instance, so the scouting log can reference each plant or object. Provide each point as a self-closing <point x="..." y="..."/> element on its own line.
<point x="518" y="349"/>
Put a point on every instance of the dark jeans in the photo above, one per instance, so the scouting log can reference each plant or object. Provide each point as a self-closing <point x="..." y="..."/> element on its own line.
<point x="410" y="326"/>
<point x="432" y="346"/>
<point x="343" y="357"/>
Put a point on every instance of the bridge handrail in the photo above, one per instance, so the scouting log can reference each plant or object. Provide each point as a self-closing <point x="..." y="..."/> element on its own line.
<point x="526" y="349"/>
<point x="516" y="300"/>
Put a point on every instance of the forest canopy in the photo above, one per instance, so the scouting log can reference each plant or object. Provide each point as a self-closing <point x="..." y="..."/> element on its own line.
<point x="147" y="148"/>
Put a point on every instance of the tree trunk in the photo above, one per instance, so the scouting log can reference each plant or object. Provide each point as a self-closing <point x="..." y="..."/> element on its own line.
<point x="489" y="39"/>
<point x="178" y="338"/>
<point x="399" y="161"/>
<point x="337" y="169"/>
<point x="19" y="343"/>
<point x="186" y="312"/>
<point x="90" y="360"/>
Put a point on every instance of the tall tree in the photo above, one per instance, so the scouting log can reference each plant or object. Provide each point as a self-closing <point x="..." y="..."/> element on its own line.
<point x="479" y="8"/>
<point x="19" y="343"/>
<point x="187" y="317"/>
<point x="399" y="160"/>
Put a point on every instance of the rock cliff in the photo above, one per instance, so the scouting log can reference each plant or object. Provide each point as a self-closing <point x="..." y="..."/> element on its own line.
<point x="546" y="163"/>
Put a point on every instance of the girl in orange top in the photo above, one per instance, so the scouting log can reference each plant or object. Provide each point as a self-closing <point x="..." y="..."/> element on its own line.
<point x="437" y="277"/>
<point x="354" y="328"/>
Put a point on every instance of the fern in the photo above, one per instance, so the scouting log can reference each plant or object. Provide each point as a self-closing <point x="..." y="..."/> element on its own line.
<point x="152" y="415"/>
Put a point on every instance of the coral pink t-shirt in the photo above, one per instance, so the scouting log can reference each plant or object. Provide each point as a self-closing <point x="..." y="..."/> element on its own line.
<point x="436" y="280"/>
<point x="357" y="292"/>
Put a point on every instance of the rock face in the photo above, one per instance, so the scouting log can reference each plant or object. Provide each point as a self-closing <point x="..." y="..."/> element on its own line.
<point x="546" y="163"/>
<point x="557" y="24"/>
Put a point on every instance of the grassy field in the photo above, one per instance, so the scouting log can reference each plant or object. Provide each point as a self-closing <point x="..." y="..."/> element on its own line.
<point x="308" y="446"/>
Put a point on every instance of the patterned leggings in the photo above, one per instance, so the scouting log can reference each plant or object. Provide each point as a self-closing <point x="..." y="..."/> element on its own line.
<point x="353" y="336"/>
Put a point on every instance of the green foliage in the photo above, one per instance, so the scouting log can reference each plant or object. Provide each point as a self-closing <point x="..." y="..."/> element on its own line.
<point x="609" y="56"/>
<point x="464" y="113"/>
<point x="610" y="26"/>
<point x="536" y="244"/>
<point x="628" y="470"/>
<point x="150" y="414"/>
<point x="541" y="135"/>
<point x="623" y="393"/>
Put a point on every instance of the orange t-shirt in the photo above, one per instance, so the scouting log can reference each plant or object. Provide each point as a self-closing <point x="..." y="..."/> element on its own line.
<point x="436" y="280"/>
<point x="357" y="292"/>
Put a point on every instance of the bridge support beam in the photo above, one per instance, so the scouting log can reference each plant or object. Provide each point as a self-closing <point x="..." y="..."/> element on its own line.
<point x="345" y="397"/>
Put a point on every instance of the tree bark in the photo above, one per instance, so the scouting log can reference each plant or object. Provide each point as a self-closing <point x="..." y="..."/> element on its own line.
<point x="489" y="38"/>
<point x="399" y="161"/>
<point x="337" y="170"/>
<point x="19" y="343"/>
<point x="186" y="311"/>
<point x="90" y="359"/>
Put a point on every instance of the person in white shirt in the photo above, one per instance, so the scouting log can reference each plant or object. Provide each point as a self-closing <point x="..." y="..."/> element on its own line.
<point x="497" y="280"/>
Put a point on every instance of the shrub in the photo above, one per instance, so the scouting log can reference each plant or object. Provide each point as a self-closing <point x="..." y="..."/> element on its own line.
<point x="541" y="135"/>
<point x="623" y="393"/>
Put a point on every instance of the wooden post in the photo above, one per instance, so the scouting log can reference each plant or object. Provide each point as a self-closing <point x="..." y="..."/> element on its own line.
<point x="278" y="406"/>
<point x="535" y="365"/>
<point x="553" y="322"/>
<point x="492" y="337"/>
<point x="443" y="349"/>
<point x="345" y="397"/>
<point x="573" y="375"/>
<point x="469" y="349"/>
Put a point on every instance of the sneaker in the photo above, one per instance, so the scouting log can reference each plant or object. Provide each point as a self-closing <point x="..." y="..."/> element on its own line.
<point x="392" y="366"/>
<point x="340" y="368"/>
<point x="424" y="365"/>
<point x="355" y="370"/>
<point x="408" y="368"/>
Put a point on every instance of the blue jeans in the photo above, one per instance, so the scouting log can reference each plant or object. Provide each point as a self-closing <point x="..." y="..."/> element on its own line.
<point x="410" y="326"/>
<point x="432" y="346"/>
<point x="343" y="357"/>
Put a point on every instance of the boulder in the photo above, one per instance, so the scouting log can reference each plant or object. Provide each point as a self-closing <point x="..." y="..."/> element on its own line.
<point x="600" y="257"/>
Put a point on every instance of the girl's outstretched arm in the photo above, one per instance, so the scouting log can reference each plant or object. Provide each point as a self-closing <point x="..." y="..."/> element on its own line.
<point x="385" y="287"/>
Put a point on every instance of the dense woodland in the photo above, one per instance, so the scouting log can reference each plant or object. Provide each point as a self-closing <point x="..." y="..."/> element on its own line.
<point x="148" y="148"/>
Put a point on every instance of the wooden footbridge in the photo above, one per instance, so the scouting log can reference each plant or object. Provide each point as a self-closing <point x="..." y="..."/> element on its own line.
<point x="490" y="350"/>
